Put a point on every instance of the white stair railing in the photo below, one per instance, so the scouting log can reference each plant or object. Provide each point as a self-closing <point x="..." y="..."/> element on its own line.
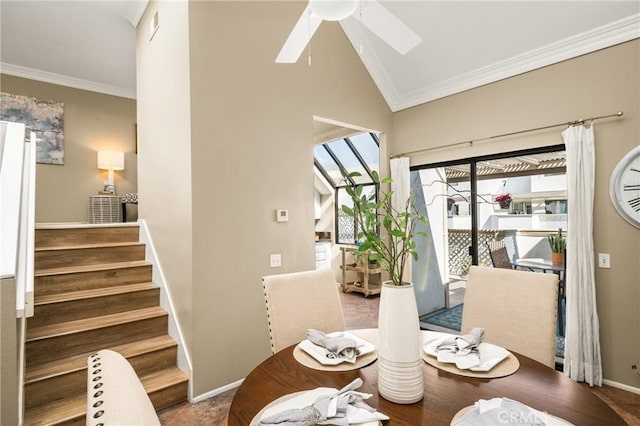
<point x="24" y="278"/>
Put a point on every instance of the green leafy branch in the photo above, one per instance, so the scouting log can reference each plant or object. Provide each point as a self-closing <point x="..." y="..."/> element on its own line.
<point x="372" y="214"/>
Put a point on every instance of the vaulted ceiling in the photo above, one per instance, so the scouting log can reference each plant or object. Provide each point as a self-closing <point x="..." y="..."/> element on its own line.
<point x="91" y="44"/>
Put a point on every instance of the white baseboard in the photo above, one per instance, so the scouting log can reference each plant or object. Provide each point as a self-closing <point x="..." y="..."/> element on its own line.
<point x="216" y="391"/>
<point x="621" y="386"/>
<point x="166" y="302"/>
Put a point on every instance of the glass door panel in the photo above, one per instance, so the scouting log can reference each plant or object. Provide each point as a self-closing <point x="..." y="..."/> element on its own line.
<point x="444" y="257"/>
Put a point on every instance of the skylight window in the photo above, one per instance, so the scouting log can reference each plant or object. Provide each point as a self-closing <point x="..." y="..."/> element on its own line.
<point x="358" y="153"/>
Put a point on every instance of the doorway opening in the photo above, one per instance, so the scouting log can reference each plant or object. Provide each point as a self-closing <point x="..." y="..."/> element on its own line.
<point x="339" y="146"/>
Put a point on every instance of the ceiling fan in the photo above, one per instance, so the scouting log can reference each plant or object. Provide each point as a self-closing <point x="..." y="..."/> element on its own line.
<point x="369" y="13"/>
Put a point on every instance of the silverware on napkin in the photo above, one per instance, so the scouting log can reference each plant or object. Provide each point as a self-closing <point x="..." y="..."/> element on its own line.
<point x="463" y="345"/>
<point x="336" y="346"/>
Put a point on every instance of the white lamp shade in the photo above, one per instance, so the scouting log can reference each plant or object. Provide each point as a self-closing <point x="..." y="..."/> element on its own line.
<point x="111" y="160"/>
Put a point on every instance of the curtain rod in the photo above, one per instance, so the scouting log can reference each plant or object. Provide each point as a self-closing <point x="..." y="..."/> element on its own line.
<point x="471" y="142"/>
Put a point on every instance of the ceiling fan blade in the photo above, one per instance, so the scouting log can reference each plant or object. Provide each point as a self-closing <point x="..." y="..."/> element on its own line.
<point x="299" y="37"/>
<point x="388" y="27"/>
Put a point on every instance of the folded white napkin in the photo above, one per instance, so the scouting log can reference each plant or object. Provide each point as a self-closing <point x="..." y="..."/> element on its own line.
<point x="324" y="357"/>
<point x="505" y="411"/>
<point x="337" y="345"/>
<point x="463" y="345"/>
<point x="463" y="350"/>
<point x="446" y="348"/>
<point x="324" y="406"/>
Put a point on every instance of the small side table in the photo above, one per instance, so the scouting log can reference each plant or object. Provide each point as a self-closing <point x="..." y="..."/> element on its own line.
<point x="105" y="209"/>
<point x="364" y="272"/>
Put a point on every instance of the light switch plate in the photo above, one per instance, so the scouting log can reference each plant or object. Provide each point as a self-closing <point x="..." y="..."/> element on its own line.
<point x="604" y="261"/>
<point x="275" y="260"/>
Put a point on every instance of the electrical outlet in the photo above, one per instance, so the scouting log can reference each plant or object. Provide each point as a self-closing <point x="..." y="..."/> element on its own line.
<point x="604" y="261"/>
<point x="275" y="260"/>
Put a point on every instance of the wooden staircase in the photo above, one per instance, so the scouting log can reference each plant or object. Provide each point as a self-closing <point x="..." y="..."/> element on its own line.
<point x="93" y="291"/>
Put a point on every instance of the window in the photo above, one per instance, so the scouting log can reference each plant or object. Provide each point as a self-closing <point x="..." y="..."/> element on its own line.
<point x="535" y="182"/>
<point x="361" y="153"/>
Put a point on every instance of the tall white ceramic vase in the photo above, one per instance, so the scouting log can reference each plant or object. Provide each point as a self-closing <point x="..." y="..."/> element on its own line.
<point x="400" y="375"/>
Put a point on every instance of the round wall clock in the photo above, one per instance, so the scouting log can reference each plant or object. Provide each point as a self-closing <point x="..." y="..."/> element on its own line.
<point x="624" y="187"/>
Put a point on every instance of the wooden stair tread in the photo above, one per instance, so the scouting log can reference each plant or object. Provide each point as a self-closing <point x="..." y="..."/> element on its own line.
<point x="63" y="410"/>
<point x="90" y="268"/>
<point x="69" y="327"/>
<point x="79" y="362"/>
<point x="163" y="379"/>
<point x="76" y="407"/>
<point x="88" y="246"/>
<point x="87" y="294"/>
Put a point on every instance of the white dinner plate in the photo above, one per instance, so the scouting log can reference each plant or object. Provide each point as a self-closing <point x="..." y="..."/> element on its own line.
<point x="548" y="418"/>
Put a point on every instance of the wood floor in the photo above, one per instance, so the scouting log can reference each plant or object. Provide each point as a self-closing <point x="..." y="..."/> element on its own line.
<point x="361" y="312"/>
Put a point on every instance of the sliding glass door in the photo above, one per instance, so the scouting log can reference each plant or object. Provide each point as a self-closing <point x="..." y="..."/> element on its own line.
<point x="515" y="199"/>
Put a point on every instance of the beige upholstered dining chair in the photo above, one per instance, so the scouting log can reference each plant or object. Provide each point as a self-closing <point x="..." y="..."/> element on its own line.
<point x="517" y="310"/>
<point x="298" y="301"/>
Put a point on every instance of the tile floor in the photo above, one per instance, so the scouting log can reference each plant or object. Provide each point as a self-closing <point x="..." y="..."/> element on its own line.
<point x="360" y="312"/>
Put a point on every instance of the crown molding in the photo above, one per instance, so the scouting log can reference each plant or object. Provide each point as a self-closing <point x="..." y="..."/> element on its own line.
<point x="371" y="60"/>
<point x="617" y="32"/>
<point x="63" y="80"/>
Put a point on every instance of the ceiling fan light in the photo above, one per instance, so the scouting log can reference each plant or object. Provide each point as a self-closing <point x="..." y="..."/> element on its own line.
<point x="333" y="10"/>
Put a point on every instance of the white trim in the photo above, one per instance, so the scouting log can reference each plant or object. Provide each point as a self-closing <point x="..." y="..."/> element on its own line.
<point x="217" y="391"/>
<point x="22" y="366"/>
<point x="608" y="35"/>
<point x="64" y="80"/>
<point x="372" y="62"/>
<point x="166" y="302"/>
<point x="74" y="225"/>
<point x="621" y="386"/>
<point x="343" y="124"/>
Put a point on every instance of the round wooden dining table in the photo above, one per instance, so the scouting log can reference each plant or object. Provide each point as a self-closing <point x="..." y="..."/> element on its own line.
<point x="533" y="384"/>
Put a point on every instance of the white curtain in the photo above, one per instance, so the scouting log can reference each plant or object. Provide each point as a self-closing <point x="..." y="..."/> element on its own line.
<point x="582" y="361"/>
<point x="401" y="187"/>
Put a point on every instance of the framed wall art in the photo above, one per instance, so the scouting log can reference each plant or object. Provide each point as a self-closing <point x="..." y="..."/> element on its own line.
<point x="44" y="117"/>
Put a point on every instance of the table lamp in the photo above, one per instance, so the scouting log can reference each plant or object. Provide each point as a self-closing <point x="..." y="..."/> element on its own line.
<point x="110" y="160"/>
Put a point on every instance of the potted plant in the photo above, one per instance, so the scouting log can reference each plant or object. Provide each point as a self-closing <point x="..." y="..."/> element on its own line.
<point x="372" y="214"/>
<point x="387" y="234"/>
<point x="504" y="200"/>
<point x="558" y="245"/>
